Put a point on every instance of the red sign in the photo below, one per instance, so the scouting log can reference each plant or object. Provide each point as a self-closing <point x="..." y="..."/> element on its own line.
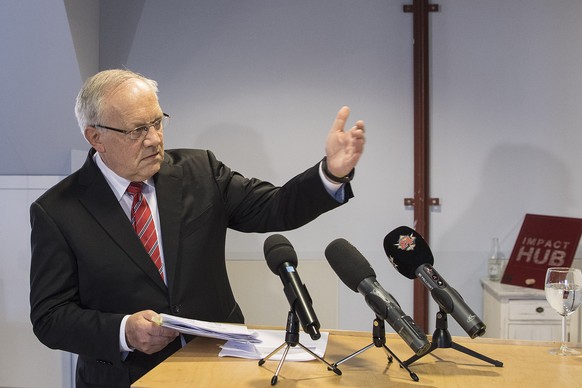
<point x="543" y="242"/>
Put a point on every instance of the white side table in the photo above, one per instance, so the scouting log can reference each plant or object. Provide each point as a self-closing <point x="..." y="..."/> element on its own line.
<point x="513" y="312"/>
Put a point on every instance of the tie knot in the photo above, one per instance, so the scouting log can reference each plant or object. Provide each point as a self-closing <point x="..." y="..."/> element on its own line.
<point x="134" y="188"/>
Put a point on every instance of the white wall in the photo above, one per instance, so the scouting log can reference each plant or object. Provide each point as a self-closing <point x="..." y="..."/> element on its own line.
<point x="24" y="361"/>
<point x="506" y="114"/>
<point x="260" y="81"/>
<point x="48" y="48"/>
<point x="41" y="75"/>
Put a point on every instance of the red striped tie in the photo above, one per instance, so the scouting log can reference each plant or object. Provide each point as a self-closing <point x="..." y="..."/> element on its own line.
<point x="143" y="223"/>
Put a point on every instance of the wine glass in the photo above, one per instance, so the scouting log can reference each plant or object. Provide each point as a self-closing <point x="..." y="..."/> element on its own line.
<point x="563" y="289"/>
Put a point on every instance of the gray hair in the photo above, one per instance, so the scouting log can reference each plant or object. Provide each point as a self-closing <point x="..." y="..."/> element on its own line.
<point x="89" y="103"/>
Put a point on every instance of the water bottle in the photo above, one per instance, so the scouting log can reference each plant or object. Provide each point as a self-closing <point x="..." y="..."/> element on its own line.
<point x="495" y="261"/>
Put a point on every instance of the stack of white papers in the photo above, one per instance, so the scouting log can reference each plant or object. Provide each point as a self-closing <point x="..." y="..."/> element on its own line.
<point x="270" y="340"/>
<point x="241" y="342"/>
<point x="224" y="331"/>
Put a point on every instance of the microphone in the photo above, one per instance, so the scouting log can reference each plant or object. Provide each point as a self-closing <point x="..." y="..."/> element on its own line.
<point x="411" y="256"/>
<point x="355" y="271"/>
<point x="282" y="260"/>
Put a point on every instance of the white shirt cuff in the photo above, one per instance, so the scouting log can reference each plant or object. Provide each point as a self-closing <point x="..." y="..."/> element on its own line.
<point x="332" y="188"/>
<point x="123" y="346"/>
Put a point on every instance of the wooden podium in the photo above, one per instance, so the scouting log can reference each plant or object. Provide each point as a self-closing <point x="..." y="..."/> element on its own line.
<point x="526" y="364"/>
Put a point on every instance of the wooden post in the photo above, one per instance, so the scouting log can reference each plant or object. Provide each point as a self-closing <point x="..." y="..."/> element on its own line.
<point x="421" y="201"/>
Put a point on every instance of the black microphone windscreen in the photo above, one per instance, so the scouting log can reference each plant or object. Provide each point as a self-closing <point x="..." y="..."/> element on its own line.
<point x="278" y="250"/>
<point x="407" y="250"/>
<point x="348" y="263"/>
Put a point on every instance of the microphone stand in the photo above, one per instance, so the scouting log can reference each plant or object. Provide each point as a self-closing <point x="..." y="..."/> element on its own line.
<point x="292" y="339"/>
<point x="379" y="341"/>
<point x="441" y="339"/>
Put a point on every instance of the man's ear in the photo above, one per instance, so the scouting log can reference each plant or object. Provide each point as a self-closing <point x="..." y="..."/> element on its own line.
<point x="93" y="136"/>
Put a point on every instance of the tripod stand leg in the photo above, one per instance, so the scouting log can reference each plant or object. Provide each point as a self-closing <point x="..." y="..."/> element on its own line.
<point x="292" y="339"/>
<point x="276" y="376"/>
<point x="442" y="339"/>
<point x="413" y="375"/>
<point x="470" y="352"/>
<point x="274" y="379"/>
<point x="379" y="341"/>
<point x="334" y="368"/>
<point x="262" y="360"/>
<point x="433" y="346"/>
<point x="353" y="355"/>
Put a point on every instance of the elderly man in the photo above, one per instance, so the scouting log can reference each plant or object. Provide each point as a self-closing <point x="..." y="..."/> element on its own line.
<point x="139" y="230"/>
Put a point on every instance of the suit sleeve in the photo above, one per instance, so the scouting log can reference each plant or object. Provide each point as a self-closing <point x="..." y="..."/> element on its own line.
<point x="259" y="206"/>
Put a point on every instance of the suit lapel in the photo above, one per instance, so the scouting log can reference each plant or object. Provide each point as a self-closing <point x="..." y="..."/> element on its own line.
<point x="100" y="201"/>
<point x="169" y="190"/>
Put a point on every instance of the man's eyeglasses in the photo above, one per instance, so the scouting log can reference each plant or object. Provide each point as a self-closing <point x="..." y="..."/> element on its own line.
<point x="140" y="132"/>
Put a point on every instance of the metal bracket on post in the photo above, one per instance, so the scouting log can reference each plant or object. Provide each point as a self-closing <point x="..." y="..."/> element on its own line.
<point x="409" y="202"/>
<point x="431" y="7"/>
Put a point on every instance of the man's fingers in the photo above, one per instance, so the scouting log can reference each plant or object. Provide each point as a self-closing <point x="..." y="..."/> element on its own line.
<point x="165" y="332"/>
<point x="340" y="120"/>
<point x="157" y="319"/>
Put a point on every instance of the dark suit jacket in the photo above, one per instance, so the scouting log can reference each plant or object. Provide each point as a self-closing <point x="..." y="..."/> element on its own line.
<point x="89" y="268"/>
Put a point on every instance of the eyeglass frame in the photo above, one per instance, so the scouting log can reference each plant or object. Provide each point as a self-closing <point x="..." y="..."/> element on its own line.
<point x="142" y="129"/>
